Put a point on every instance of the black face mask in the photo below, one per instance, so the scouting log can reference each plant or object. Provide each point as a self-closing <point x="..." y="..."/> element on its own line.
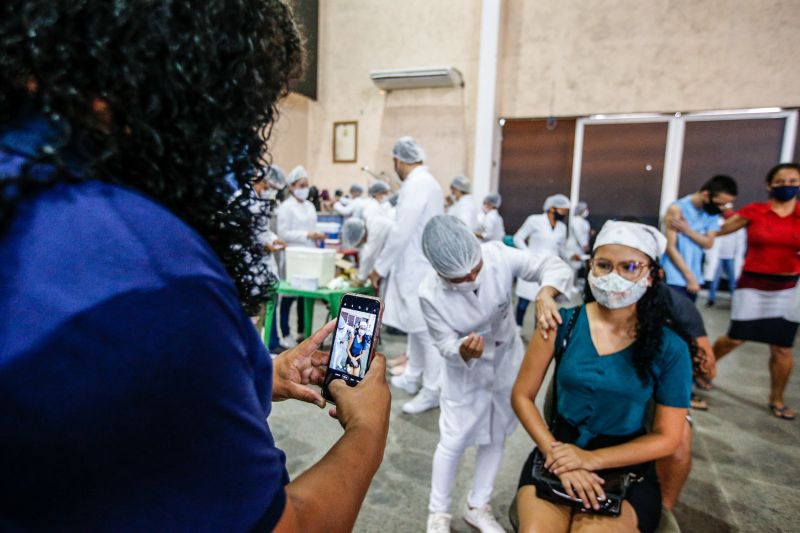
<point x="712" y="209"/>
<point x="559" y="217"/>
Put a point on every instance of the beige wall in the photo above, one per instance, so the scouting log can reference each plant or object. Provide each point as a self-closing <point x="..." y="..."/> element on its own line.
<point x="618" y="56"/>
<point x="357" y="36"/>
<point x="560" y="57"/>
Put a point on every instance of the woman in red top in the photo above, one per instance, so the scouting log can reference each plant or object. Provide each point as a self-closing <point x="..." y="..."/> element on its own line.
<point x="769" y="278"/>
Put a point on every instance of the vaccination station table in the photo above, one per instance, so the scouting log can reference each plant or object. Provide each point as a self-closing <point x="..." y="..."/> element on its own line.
<point x="332" y="296"/>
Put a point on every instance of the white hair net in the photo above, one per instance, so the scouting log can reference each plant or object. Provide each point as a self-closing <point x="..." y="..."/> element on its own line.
<point x="642" y="237"/>
<point x="356" y="189"/>
<point x="408" y="151"/>
<point x="297" y="173"/>
<point x="450" y="246"/>
<point x="275" y="176"/>
<point x="461" y="183"/>
<point x="379" y="187"/>
<point x="559" y="201"/>
<point x="353" y="230"/>
<point x="493" y="199"/>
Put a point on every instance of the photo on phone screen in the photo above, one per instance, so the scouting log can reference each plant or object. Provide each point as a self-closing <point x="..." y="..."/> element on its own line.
<point x="353" y="340"/>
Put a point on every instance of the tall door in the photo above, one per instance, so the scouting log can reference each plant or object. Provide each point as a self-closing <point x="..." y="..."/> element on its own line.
<point x="744" y="149"/>
<point x="622" y="169"/>
<point x="535" y="162"/>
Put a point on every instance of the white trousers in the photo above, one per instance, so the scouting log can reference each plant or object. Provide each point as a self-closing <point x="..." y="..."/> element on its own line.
<point x="424" y="361"/>
<point x="445" y="467"/>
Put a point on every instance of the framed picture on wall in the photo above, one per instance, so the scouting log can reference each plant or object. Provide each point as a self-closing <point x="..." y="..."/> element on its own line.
<point x="345" y="142"/>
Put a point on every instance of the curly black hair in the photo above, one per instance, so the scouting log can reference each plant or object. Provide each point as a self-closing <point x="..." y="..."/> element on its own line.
<point x="651" y="317"/>
<point x="168" y="97"/>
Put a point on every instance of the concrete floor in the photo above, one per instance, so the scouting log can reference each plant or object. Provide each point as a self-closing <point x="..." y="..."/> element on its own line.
<point x="746" y="462"/>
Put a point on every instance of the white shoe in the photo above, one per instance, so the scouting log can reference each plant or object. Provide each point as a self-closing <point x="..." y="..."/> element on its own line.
<point x="482" y="519"/>
<point x="288" y="342"/>
<point x="439" y="523"/>
<point x="402" y="382"/>
<point x="424" y="401"/>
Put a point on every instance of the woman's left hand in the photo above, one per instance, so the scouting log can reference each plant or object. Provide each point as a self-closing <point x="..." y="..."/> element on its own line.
<point x="567" y="457"/>
<point x="300" y="366"/>
<point x="547" y="316"/>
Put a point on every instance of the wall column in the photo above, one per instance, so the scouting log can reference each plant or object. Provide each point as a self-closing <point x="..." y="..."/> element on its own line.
<point x="487" y="128"/>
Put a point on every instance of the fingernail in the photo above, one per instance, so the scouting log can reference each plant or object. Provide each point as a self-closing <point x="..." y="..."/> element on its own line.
<point x="320" y="404"/>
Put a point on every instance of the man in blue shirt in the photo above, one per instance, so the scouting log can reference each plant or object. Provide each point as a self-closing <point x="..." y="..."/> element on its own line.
<point x="690" y="226"/>
<point x="135" y="392"/>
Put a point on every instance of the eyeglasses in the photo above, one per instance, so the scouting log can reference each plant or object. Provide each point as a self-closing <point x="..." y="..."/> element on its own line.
<point x="630" y="270"/>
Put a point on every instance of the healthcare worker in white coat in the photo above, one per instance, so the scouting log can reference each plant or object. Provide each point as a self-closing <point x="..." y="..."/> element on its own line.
<point x="490" y="223"/>
<point x="545" y="234"/>
<point x="401" y="261"/>
<point x="354" y="206"/>
<point x="466" y="304"/>
<point x="369" y="237"/>
<point x="297" y="226"/>
<point x="378" y="205"/>
<point x="580" y="232"/>
<point x="464" y="207"/>
<point x="266" y="189"/>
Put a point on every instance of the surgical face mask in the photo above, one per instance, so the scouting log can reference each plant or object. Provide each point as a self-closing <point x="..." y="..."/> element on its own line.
<point x="784" y="193"/>
<point x="467" y="286"/>
<point x="361" y="331"/>
<point x="559" y="217"/>
<point x="268" y="194"/>
<point x="302" y="194"/>
<point x="615" y="292"/>
<point x="711" y="208"/>
<point x="486" y="209"/>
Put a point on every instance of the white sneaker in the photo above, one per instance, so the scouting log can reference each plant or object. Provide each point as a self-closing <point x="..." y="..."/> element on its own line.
<point x="482" y="519"/>
<point x="424" y="401"/>
<point x="288" y="341"/>
<point x="402" y="382"/>
<point x="439" y="523"/>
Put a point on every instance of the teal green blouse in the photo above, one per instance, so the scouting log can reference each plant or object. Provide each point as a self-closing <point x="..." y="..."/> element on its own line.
<point x="603" y="395"/>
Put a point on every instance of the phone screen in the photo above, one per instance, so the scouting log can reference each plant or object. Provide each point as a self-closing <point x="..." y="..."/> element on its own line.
<point x="357" y="328"/>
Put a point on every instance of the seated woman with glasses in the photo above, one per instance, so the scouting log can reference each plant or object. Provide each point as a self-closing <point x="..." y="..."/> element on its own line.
<point x="619" y="355"/>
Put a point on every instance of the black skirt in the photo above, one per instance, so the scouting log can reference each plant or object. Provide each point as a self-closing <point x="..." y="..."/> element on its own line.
<point x="644" y="496"/>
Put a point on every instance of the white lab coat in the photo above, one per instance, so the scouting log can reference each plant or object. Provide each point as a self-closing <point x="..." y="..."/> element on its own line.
<point x="339" y="355"/>
<point x="373" y="208"/>
<point x="266" y="237"/>
<point x="378" y="230"/>
<point x="295" y="220"/>
<point x="475" y="393"/>
<point x="541" y="238"/>
<point x="491" y="226"/>
<point x="466" y="210"/>
<point x="402" y="259"/>
<point x="578" y="240"/>
<point x="353" y="208"/>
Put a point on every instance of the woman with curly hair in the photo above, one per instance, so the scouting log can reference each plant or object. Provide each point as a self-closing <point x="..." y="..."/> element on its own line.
<point x="619" y="354"/>
<point x="135" y="390"/>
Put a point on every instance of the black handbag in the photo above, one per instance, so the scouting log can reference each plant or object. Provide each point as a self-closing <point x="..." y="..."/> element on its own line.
<point x="549" y="486"/>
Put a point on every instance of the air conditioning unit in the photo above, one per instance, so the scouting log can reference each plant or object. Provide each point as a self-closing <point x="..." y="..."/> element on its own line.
<point x="416" y="78"/>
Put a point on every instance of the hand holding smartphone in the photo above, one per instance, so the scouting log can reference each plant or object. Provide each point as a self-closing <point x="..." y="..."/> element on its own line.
<point x="354" y="340"/>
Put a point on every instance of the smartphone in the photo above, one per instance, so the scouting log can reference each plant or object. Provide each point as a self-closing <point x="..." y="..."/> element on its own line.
<point x="358" y="327"/>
